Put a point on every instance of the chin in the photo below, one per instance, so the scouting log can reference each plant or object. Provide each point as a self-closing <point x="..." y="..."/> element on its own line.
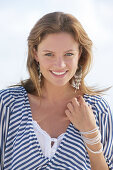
<point x="59" y="84"/>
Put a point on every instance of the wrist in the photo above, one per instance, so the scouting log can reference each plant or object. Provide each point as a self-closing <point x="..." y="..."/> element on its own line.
<point x="94" y="149"/>
<point x="92" y="140"/>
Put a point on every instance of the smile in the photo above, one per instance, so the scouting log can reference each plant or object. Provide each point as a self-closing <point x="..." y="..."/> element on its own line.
<point x="58" y="74"/>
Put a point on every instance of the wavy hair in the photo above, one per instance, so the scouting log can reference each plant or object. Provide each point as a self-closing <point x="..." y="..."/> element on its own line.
<point x="56" y="22"/>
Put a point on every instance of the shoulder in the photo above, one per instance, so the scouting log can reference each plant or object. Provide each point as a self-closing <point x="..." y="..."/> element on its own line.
<point x="9" y="95"/>
<point x="102" y="112"/>
<point x="15" y="91"/>
<point x="98" y="103"/>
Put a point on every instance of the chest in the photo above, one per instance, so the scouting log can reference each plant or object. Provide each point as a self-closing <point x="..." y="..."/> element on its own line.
<point x="52" y="120"/>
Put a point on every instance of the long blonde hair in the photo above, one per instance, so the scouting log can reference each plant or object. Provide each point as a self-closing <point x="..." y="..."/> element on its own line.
<point x="54" y="23"/>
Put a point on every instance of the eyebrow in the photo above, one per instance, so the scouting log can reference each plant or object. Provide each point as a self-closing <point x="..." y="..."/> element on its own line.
<point x="52" y="51"/>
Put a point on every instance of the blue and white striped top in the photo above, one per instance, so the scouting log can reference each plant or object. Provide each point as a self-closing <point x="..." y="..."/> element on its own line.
<point x="20" y="149"/>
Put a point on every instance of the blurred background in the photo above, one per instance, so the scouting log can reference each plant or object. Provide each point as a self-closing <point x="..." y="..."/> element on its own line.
<point x="18" y="17"/>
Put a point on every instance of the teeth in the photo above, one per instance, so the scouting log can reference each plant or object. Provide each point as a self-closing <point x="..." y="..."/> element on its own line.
<point x="58" y="73"/>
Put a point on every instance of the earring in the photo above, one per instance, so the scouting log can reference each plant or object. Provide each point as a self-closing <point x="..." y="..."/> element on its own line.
<point x="38" y="70"/>
<point x="76" y="81"/>
<point x="39" y="73"/>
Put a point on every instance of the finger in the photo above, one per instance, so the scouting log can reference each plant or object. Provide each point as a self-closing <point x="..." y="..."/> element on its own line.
<point x="84" y="104"/>
<point x="90" y="107"/>
<point x="75" y="102"/>
<point x="70" y="107"/>
<point x="81" y="100"/>
<point x="69" y="115"/>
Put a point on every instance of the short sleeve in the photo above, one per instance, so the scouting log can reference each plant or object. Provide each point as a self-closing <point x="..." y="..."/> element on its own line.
<point x="106" y="128"/>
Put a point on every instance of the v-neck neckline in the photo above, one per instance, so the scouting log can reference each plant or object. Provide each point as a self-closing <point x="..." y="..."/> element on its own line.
<point x="39" y="147"/>
<point x="44" y="132"/>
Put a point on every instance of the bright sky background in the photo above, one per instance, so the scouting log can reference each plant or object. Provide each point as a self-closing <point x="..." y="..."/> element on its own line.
<point x="18" y="17"/>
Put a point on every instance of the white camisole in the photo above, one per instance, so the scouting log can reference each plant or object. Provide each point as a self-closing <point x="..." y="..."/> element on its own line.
<point x="45" y="141"/>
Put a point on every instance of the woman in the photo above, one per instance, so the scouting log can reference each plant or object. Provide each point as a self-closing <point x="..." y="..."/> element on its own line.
<point x="53" y="120"/>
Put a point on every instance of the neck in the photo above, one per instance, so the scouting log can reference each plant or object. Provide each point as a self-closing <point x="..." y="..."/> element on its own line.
<point x="56" y="94"/>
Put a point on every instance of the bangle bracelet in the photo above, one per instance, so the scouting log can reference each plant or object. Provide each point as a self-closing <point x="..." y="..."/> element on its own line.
<point x="95" y="152"/>
<point x="92" y="141"/>
<point x="90" y="131"/>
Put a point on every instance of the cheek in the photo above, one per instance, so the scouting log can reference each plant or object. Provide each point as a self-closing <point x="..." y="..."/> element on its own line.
<point x="45" y="64"/>
<point x="73" y="63"/>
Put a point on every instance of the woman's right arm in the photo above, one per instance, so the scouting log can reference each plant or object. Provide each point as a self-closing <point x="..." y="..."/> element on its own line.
<point x="4" y="118"/>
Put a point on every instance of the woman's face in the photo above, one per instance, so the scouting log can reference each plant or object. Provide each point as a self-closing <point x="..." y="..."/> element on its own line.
<point x="58" y="55"/>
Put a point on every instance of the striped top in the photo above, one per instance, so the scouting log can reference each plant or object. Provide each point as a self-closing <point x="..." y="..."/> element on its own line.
<point x="20" y="148"/>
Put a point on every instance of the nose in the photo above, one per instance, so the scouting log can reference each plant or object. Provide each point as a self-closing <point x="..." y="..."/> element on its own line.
<point x="60" y="62"/>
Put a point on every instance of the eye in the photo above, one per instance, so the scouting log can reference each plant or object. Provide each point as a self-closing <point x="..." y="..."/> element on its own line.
<point x="48" y="54"/>
<point x="69" y="54"/>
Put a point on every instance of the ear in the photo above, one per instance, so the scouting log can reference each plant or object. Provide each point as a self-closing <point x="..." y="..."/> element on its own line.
<point x="35" y="54"/>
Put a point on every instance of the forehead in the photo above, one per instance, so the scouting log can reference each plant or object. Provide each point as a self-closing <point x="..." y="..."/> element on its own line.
<point x="61" y="40"/>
